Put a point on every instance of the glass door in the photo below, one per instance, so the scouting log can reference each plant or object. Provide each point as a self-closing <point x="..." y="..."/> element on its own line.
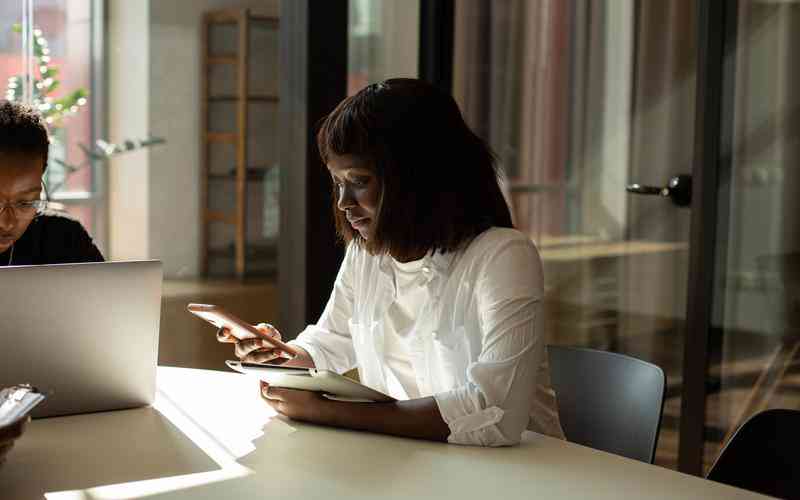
<point x="753" y="332"/>
<point x="590" y="107"/>
<point x="607" y="118"/>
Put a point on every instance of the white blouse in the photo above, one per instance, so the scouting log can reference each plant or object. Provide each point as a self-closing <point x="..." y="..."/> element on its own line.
<point x="476" y="346"/>
<point x="410" y="298"/>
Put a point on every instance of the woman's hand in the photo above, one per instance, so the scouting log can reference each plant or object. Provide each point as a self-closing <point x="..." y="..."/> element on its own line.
<point x="416" y="418"/>
<point x="255" y="350"/>
<point x="261" y="351"/>
<point x="10" y="434"/>
<point x="306" y="406"/>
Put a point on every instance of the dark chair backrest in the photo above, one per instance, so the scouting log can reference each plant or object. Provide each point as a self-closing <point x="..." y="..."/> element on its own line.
<point x="608" y="401"/>
<point x="763" y="455"/>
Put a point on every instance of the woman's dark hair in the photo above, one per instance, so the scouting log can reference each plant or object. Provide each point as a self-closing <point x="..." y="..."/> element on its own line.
<point x="439" y="185"/>
<point x="22" y="130"/>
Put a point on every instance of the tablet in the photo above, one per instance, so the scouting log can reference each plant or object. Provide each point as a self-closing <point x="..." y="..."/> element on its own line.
<point x="331" y="384"/>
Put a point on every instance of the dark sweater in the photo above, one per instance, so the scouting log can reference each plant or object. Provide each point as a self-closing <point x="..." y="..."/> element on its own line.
<point x="53" y="239"/>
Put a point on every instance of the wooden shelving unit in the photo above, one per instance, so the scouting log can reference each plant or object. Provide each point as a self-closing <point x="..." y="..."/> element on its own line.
<point x="240" y="23"/>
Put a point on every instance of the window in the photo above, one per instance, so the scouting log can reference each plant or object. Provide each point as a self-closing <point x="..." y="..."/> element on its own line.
<point x="383" y="41"/>
<point x="62" y="65"/>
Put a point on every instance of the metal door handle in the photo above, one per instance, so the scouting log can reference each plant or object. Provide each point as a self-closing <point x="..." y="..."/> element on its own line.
<point x="678" y="189"/>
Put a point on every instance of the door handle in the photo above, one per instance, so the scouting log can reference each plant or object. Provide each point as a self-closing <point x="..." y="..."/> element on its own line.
<point x="678" y="189"/>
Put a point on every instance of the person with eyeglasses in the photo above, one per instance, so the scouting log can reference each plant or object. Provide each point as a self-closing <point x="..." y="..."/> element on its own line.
<point x="29" y="233"/>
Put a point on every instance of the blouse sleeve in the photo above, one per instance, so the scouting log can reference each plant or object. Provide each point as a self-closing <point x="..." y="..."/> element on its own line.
<point x="493" y="408"/>
<point x="328" y="342"/>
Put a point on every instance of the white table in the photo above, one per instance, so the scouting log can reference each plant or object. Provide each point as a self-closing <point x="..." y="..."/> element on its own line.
<point x="208" y="436"/>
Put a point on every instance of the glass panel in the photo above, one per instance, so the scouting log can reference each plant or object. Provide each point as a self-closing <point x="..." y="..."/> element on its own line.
<point x="61" y="70"/>
<point x="383" y="41"/>
<point x="579" y="99"/>
<point x="261" y="193"/>
<point x="755" y="336"/>
<point x="173" y="73"/>
<point x="10" y="41"/>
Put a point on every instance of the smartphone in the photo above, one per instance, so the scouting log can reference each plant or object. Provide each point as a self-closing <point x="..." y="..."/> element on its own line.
<point x="239" y="328"/>
<point x="16" y="402"/>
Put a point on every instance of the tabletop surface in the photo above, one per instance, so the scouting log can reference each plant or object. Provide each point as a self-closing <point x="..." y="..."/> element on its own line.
<point x="209" y="436"/>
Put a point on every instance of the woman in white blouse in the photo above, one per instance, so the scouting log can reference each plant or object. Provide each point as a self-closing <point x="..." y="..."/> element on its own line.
<point x="438" y="299"/>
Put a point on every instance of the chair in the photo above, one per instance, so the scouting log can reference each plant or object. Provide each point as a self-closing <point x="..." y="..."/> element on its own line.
<point x="762" y="456"/>
<point x="780" y="280"/>
<point x="608" y="401"/>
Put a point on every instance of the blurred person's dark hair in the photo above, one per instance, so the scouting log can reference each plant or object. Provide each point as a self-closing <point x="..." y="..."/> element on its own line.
<point x="438" y="179"/>
<point x="22" y="130"/>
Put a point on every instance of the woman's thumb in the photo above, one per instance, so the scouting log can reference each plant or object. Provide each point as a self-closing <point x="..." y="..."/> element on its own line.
<point x="269" y="330"/>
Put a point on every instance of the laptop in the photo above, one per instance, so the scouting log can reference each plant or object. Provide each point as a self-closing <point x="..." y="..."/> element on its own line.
<point x="84" y="334"/>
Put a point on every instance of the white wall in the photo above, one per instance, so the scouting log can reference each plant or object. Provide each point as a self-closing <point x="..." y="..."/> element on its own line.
<point x="616" y="136"/>
<point x="128" y="79"/>
<point x="399" y="31"/>
<point x="384" y="39"/>
<point x="154" y="71"/>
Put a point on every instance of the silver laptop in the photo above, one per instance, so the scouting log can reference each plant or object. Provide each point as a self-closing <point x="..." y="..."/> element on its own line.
<point x="85" y="334"/>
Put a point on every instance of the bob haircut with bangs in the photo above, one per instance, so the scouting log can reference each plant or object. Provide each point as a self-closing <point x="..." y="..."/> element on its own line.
<point x="438" y="180"/>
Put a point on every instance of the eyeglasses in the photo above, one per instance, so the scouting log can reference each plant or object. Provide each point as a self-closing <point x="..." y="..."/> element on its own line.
<point x="24" y="208"/>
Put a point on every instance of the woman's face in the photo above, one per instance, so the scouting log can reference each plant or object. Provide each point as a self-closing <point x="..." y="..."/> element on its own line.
<point x="357" y="192"/>
<point x="20" y="181"/>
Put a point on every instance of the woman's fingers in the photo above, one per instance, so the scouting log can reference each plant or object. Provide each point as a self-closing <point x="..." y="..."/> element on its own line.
<point x="271" y="394"/>
<point x="269" y="330"/>
<point x="272" y="332"/>
<point x="262" y="356"/>
<point x="265" y="390"/>
<point x="13" y="431"/>
<point x="245" y="347"/>
<point x="256" y="350"/>
<point x="272" y="398"/>
<point x="224" y="336"/>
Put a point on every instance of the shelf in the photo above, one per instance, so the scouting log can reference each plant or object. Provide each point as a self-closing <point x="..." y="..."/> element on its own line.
<point x="226" y="59"/>
<point x="223" y="16"/>
<point x="264" y="97"/>
<point x="221" y="137"/>
<point x="245" y="34"/>
<point x="272" y="21"/>
<point x="254" y="173"/>
<point x="217" y="216"/>
<point x="266" y="250"/>
<point x="234" y="15"/>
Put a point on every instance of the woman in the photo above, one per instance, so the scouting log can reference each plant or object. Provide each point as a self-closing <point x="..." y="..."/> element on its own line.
<point x="438" y="299"/>
<point x="28" y="233"/>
